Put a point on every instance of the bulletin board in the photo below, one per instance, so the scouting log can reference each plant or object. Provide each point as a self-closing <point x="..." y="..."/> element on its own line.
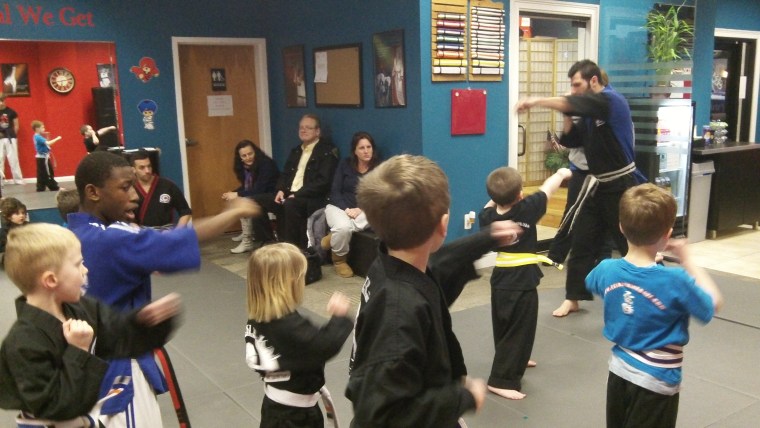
<point x="343" y="87"/>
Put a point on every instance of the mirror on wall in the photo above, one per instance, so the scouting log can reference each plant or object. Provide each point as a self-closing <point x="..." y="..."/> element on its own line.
<point x="64" y="84"/>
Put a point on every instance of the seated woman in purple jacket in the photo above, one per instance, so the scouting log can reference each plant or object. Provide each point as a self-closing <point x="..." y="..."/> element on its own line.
<point x="257" y="173"/>
<point x="343" y="215"/>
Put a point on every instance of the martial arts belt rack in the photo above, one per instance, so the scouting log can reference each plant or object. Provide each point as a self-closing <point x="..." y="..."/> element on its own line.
<point x="467" y="40"/>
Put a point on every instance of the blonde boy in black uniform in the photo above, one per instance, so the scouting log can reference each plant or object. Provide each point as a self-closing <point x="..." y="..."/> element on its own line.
<point x="407" y="367"/>
<point x="51" y="361"/>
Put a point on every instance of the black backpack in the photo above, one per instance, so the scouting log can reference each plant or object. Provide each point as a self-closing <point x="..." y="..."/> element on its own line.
<point x="313" y="265"/>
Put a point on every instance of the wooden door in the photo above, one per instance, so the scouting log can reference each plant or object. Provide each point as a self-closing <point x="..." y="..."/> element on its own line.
<point x="544" y="63"/>
<point x="212" y="139"/>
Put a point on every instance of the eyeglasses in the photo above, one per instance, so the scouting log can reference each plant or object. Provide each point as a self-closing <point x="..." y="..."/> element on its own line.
<point x="306" y="128"/>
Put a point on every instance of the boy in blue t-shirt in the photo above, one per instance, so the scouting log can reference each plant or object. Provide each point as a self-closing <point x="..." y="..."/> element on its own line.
<point x="44" y="166"/>
<point x="647" y="309"/>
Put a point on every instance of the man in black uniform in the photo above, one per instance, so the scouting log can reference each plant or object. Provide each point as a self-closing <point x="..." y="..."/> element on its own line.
<point x="605" y="131"/>
<point x="303" y="186"/>
<point x="159" y="197"/>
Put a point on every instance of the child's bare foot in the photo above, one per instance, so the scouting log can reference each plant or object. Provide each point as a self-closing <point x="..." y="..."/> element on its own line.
<point x="532" y="363"/>
<point x="507" y="393"/>
<point x="565" y="308"/>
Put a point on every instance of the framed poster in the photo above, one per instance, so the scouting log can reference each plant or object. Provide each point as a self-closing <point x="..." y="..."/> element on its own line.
<point x="15" y="79"/>
<point x="389" y="73"/>
<point x="295" y="80"/>
<point x="105" y="75"/>
<point x="338" y="76"/>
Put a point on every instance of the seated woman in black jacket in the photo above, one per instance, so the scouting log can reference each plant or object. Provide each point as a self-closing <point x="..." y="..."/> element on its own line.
<point x="257" y="173"/>
<point x="343" y="214"/>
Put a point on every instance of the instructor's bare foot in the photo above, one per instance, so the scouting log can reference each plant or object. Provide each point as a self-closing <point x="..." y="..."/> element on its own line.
<point x="565" y="308"/>
<point x="532" y="363"/>
<point x="507" y="393"/>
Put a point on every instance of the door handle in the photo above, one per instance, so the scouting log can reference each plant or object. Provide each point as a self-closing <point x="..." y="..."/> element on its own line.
<point x="524" y="141"/>
<point x="189" y="142"/>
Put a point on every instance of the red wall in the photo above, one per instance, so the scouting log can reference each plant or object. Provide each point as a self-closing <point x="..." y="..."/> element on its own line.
<point x="63" y="114"/>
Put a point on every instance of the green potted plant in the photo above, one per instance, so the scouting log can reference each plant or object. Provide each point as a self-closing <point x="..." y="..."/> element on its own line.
<point x="556" y="156"/>
<point x="669" y="36"/>
<point x="557" y="159"/>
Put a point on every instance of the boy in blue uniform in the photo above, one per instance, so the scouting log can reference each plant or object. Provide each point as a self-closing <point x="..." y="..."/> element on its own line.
<point x="122" y="256"/>
<point x="51" y="361"/>
<point x="646" y="311"/>
<point x="514" y="299"/>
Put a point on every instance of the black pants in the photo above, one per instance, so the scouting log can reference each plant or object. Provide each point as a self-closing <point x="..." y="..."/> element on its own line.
<point x="276" y="415"/>
<point x="514" y="315"/>
<point x="45" y="175"/>
<point x="292" y="216"/>
<point x="563" y="240"/>
<point x="629" y="405"/>
<point x="561" y="243"/>
<point x="598" y="219"/>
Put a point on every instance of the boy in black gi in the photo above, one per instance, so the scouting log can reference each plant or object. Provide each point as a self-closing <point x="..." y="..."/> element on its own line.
<point x="407" y="367"/>
<point x="514" y="300"/>
<point x="50" y="361"/>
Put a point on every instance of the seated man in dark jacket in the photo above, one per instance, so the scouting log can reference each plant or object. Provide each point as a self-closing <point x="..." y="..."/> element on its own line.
<point x="303" y="186"/>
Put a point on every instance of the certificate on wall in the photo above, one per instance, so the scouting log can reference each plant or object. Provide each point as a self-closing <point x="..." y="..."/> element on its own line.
<point x="320" y="67"/>
<point x="219" y="105"/>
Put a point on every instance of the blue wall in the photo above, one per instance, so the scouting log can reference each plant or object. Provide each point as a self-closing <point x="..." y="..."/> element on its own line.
<point x="331" y="23"/>
<point x="467" y="160"/>
<point x="144" y="28"/>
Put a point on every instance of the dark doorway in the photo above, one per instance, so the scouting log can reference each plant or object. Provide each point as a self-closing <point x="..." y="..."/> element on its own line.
<point x="732" y="84"/>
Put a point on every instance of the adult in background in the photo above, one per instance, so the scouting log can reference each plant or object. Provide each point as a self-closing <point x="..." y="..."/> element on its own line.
<point x="303" y="186"/>
<point x="92" y="137"/>
<point x="8" y="141"/>
<point x="560" y="246"/>
<point x="257" y="174"/>
<point x="344" y="217"/>
<point x="159" y="198"/>
<point x="605" y="132"/>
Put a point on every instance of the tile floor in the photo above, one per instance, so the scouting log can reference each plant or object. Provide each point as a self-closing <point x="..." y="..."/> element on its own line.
<point x="721" y="383"/>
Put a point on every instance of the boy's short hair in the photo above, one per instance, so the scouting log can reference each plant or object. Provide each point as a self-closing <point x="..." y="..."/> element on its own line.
<point x="504" y="185"/>
<point x="96" y="168"/>
<point x="67" y="201"/>
<point x="10" y="206"/>
<point x="276" y="281"/>
<point x="83" y="128"/>
<point x="404" y="199"/>
<point x="35" y="248"/>
<point x="36" y="124"/>
<point x="647" y="213"/>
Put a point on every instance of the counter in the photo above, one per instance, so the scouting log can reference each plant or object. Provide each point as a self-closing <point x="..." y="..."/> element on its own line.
<point x="735" y="190"/>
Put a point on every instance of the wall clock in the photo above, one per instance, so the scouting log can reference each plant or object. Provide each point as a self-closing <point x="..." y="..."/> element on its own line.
<point x="61" y="80"/>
